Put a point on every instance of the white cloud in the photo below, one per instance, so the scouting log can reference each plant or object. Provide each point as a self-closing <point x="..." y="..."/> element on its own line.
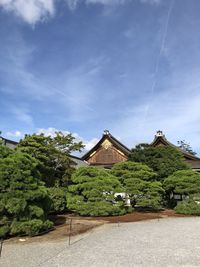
<point x="15" y="134"/>
<point x="33" y="11"/>
<point x="30" y="11"/>
<point x="51" y="132"/>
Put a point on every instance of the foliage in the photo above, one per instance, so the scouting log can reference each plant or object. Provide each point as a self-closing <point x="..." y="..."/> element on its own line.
<point x="23" y="197"/>
<point x="186" y="183"/>
<point x="58" y="199"/>
<point x="128" y="170"/>
<point x="164" y="160"/>
<point x="92" y="192"/>
<point x="139" y="183"/>
<point x="182" y="144"/>
<point x="183" y="182"/>
<point x="52" y="153"/>
<point x="5" y="151"/>
<point x="190" y="206"/>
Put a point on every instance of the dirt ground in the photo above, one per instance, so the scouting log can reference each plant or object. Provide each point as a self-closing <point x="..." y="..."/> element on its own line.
<point x="138" y="216"/>
<point x="81" y="225"/>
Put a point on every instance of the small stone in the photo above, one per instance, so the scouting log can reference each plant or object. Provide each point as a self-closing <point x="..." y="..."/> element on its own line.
<point x="22" y="240"/>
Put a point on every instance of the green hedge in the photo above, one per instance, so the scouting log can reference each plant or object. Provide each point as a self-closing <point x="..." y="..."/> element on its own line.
<point x="188" y="208"/>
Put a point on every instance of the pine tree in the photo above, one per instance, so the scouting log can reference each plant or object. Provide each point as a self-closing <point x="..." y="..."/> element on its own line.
<point x="93" y="192"/>
<point x="24" y="201"/>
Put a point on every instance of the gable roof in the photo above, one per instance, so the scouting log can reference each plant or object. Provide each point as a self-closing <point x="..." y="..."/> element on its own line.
<point x="8" y="142"/>
<point x="160" y="138"/>
<point x="107" y="135"/>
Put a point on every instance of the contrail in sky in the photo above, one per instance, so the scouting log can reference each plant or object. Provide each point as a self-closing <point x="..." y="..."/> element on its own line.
<point x="164" y="37"/>
<point x="162" y="45"/>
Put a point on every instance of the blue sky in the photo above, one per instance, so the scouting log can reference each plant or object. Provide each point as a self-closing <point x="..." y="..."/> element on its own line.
<point x="82" y="66"/>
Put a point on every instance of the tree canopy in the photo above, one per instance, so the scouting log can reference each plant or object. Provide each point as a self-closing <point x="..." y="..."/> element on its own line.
<point x="139" y="183"/>
<point x="164" y="160"/>
<point x="182" y="144"/>
<point x="93" y="192"/>
<point x="52" y="153"/>
<point x="24" y="199"/>
<point x="183" y="182"/>
<point x="187" y="184"/>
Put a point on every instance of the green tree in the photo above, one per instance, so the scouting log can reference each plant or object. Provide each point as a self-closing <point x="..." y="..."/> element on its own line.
<point x="52" y="153"/>
<point x="24" y="200"/>
<point x="93" y="192"/>
<point x="164" y="160"/>
<point x="182" y="144"/>
<point x="186" y="184"/>
<point x="58" y="199"/>
<point x="139" y="183"/>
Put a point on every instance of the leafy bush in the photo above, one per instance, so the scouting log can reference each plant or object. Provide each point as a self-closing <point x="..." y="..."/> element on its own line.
<point x="92" y="192"/>
<point x="32" y="227"/>
<point x="183" y="183"/>
<point x="102" y="208"/>
<point x="58" y="199"/>
<point x="189" y="207"/>
<point x="140" y="185"/>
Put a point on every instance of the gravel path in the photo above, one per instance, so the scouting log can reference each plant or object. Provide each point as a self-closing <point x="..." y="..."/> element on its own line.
<point x="164" y="242"/>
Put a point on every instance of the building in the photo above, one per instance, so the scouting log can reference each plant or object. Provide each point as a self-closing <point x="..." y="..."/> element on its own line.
<point x="107" y="152"/>
<point x="8" y="143"/>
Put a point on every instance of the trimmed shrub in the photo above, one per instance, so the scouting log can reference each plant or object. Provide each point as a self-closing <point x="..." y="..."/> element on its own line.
<point x="32" y="227"/>
<point x="140" y="185"/>
<point x="93" y="193"/>
<point x="189" y="207"/>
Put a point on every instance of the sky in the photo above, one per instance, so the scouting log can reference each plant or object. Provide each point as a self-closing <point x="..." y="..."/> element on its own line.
<point x="83" y="66"/>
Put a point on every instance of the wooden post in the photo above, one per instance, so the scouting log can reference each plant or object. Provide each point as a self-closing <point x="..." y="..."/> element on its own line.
<point x="70" y="230"/>
<point x="1" y="246"/>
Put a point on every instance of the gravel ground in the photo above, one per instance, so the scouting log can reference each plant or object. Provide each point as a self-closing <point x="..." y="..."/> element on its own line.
<point x="163" y="242"/>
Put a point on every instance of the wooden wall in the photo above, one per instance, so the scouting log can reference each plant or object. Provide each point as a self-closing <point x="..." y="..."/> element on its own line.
<point x="107" y="156"/>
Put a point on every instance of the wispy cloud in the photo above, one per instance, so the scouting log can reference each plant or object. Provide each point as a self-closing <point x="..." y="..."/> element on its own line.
<point x="72" y="89"/>
<point x="175" y="115"/>
<point x="16" y="134"/>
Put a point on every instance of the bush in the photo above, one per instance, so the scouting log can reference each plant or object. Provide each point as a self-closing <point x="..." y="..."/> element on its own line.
<point x="58" y="199"/>
<point x="93" y="193"/>
<point x="102" y="208"/>
<point x="189" y="207"/>
<point x="140" y="185"/>
<point x="183" y="183"/>
<point x="32" y="227"/>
